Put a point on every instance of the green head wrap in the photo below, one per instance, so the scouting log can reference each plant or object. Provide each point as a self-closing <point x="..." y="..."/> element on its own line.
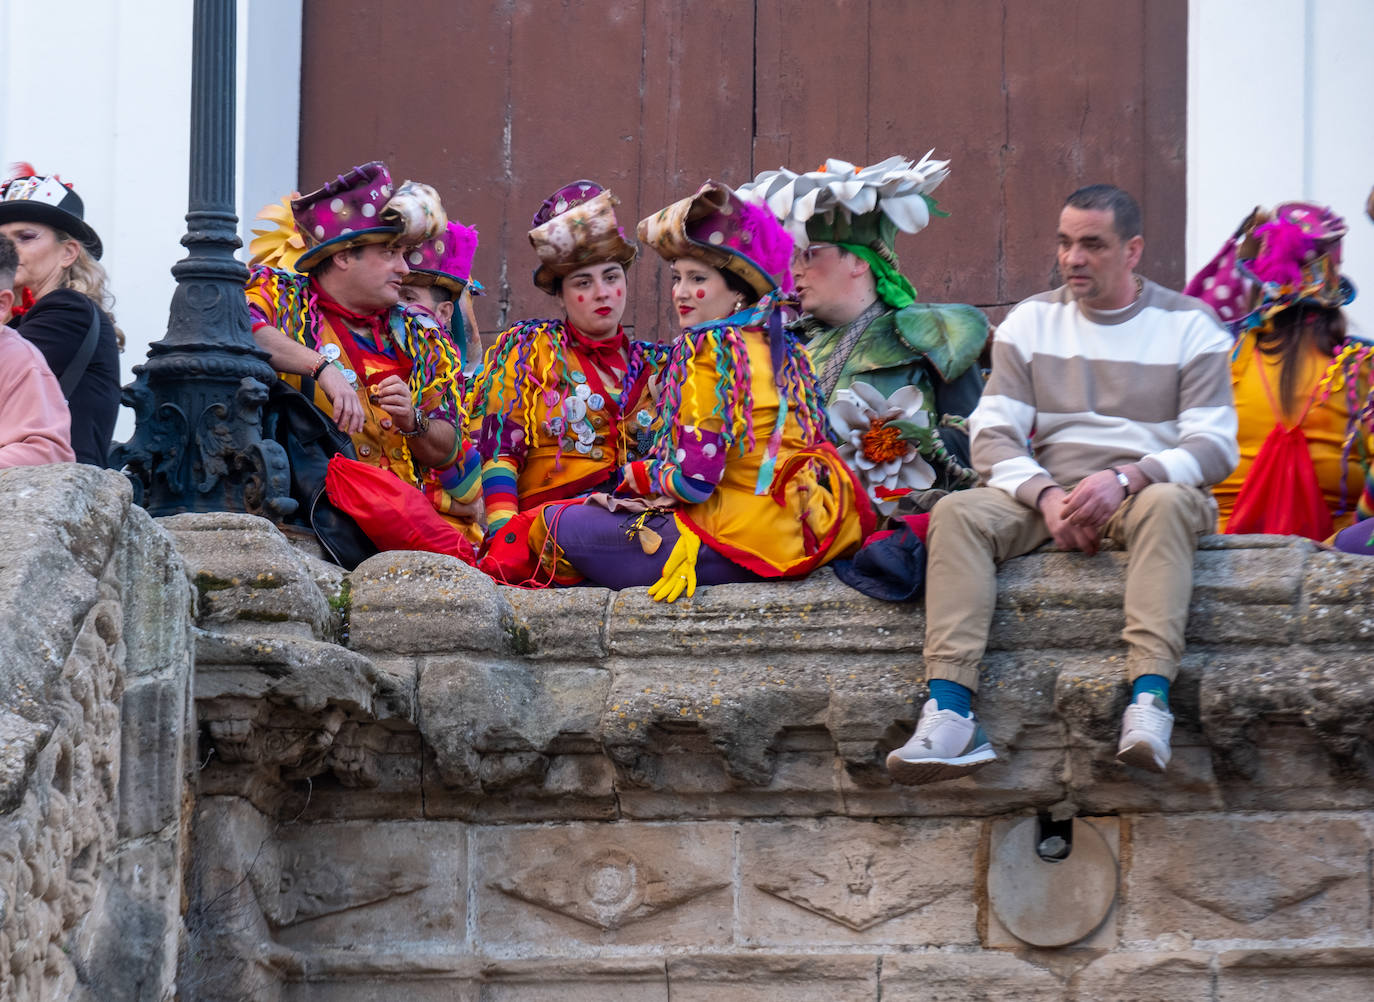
<point x="892" y="286"/>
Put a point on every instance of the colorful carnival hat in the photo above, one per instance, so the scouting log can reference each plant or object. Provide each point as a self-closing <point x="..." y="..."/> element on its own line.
<point x="445" y="261"/>
<point x="575" y="227"/>
<point x="361" y="207"/>
<point x="1297" y="262"/>
<point x="842" y="203"/>
<point x="29" y="197"/>
<point x="1273" y="261"/>
<point x="1220" y="283"/>
<point x="726" y="231"/>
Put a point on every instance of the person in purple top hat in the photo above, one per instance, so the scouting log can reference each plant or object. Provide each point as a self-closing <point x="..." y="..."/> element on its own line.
<point x="335" y="328"/>
<point x="440" y="270"/>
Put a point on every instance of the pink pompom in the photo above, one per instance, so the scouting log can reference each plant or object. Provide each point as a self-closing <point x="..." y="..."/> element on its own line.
<point x="769" y="245"/>
<point x="1284" y="248"/>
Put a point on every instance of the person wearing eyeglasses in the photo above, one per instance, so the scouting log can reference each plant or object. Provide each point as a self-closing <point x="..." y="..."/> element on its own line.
<point x="861" y="322"/>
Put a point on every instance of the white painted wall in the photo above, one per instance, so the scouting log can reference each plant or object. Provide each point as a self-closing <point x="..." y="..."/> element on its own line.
<point x="1278" y="110"/>
<point x="99" y="91"/>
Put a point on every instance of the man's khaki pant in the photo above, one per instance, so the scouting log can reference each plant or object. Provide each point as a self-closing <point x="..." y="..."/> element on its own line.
<point x="973" y="531"/>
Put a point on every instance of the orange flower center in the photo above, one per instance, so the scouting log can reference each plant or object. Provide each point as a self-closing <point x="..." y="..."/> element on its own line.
<point x="882" y="443"/>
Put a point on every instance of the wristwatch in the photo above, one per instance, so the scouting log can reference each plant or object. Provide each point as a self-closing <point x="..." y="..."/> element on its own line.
<point x="421" y="425"/>
<point x="1122" y="479"/>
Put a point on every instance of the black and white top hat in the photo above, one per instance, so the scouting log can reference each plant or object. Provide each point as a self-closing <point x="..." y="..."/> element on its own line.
<point x="36" y="199"/>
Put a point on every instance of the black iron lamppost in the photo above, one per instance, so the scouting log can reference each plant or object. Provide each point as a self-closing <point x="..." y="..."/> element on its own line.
<point x="197" y="400"/>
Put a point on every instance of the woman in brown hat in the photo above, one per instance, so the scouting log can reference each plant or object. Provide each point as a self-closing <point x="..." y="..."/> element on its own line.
<point x="560" y="405"/>
<point x="741" y="481"/>
<point x="63" y="305"/>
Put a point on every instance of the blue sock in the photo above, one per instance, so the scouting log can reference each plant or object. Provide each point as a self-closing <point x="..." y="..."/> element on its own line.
<point x="952" y="696"/>
<point x="1156" y="684"/>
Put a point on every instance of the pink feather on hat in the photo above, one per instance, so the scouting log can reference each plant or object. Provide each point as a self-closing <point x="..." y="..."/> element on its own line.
<point x="768" y="244"/>
<point x="1284" y="248"/>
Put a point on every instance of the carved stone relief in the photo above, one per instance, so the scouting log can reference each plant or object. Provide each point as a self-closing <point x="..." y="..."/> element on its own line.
<point x="618" y="883"/>
<point x="858" y="880"/>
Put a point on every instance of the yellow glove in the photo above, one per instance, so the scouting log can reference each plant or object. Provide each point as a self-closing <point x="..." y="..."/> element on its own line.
<point x="680" y="570"/>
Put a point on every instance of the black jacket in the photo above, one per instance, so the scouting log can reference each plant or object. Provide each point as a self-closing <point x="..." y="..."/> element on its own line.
<point x="56" y="325"/>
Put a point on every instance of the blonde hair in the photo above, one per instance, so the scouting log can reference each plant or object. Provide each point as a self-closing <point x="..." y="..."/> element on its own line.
<point x="88" y="276"/>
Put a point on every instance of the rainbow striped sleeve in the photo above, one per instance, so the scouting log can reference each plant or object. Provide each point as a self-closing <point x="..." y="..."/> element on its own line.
<point x="461" y="479"/>
<point x="499" y="491"/>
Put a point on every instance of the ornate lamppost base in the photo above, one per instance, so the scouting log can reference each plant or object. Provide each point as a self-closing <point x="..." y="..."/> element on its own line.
<point x="197" y="444"/>
<point x="197" y="401"/>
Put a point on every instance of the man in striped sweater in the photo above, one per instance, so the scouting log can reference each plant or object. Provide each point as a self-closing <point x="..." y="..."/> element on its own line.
<point x="1108" y="413"/>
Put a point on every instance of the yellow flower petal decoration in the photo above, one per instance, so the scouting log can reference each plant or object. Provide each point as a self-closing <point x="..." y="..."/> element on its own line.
<point x="280" y="244"/>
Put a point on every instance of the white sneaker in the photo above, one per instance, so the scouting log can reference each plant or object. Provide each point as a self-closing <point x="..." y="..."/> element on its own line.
<point x="946" y="745"/>
<point x="1145" y="730"/>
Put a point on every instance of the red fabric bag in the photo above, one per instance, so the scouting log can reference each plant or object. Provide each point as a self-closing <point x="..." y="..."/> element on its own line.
<point x="1280" y="495"/>
<point x="509" y="553"/>
<point x="395" y="515"/>
<point x="506" y="555"/>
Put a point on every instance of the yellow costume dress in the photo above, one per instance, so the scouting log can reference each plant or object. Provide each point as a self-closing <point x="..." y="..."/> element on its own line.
<point x="1334" y="391"/>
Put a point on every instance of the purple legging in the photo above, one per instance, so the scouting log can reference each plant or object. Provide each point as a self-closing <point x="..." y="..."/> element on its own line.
<point x="594" y="542"/>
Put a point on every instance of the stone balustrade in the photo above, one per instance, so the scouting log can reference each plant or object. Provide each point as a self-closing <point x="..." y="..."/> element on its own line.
<point x="414" y="783"/>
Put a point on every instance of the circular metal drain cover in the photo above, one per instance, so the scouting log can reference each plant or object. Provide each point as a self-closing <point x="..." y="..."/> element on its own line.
<point x="1051" y="903"/>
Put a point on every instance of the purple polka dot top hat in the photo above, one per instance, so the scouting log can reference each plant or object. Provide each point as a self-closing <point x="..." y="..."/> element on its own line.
<point x="363" y="207"/>
<point x="446" y="260"/>
<point x="575" y="227"/>
<point x="727" y="231"/>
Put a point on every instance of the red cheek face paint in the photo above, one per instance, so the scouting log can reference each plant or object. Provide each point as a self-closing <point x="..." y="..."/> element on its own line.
<point x="619" y="293"/>
<point x="701" y="293"/>
<point x="581" y="298"/>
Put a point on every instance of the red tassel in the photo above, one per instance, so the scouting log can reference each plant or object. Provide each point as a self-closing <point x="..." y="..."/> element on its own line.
<point x="25" y="304"/>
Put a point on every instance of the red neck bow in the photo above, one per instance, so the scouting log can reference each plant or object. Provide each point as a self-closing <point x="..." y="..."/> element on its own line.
<point x="609" y="353"/>
<point x="375" y="322"/>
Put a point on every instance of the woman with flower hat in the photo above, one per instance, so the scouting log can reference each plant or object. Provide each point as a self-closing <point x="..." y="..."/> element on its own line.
<point x="741" y="462"/>
<point x="1304" y="394"/>
<point x="561" y="404"/>
<point x="900" y="376"/>
<point x="64" y="307"/>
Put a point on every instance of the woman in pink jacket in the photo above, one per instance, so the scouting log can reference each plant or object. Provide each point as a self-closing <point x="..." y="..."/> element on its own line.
<point x="35" y="425"/>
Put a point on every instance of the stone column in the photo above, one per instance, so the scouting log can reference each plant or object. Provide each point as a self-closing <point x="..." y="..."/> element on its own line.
<point x="197" y="443"/>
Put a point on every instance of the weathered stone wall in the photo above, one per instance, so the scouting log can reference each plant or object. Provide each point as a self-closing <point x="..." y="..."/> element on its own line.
<point x="410" y="783"/>
<point x="420" y="785"/>
<point x="95" y="741"/>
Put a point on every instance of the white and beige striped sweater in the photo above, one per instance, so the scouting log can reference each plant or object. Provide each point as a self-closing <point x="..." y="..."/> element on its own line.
<point x="1075" y="390"/>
